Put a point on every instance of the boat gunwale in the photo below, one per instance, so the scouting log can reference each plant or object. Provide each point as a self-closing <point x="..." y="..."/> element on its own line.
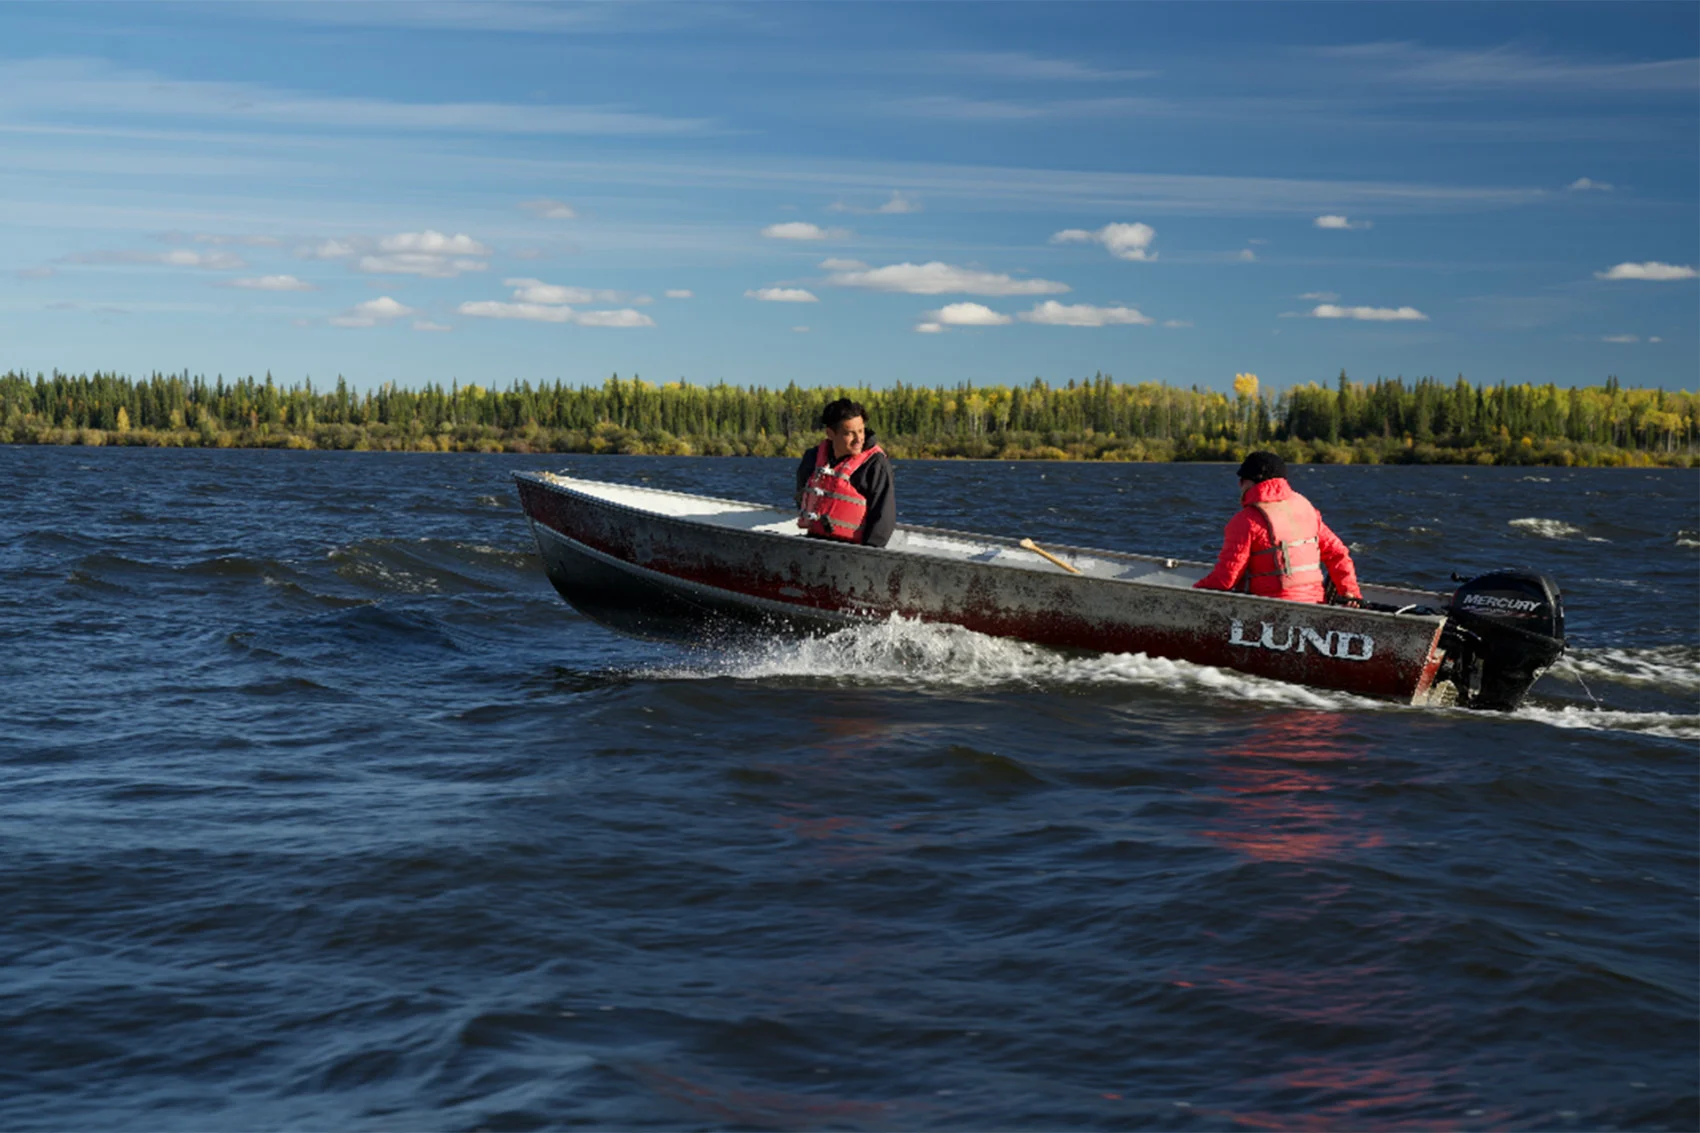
<point x="547" y="480"/>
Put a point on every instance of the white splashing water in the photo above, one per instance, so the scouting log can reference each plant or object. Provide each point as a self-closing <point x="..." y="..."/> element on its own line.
<point x="904" y="653"/>
<point x="1666" y="724"/>
<point x="1675" y="667"/>
<point x="1553" y="529"/>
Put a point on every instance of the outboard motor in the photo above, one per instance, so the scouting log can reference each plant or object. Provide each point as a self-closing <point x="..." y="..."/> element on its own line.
<point x="1503" y="630"/>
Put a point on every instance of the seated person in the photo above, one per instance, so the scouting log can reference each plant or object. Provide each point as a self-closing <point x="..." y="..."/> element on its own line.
<point x="1276" y="545"/>
<point x="844" y="484"/>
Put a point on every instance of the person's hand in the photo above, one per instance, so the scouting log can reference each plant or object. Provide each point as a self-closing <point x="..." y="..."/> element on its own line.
<point x="1355" y="603"/>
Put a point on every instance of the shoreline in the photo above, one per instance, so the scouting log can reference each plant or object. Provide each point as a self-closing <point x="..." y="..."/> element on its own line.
<point x="1077" y="448"/>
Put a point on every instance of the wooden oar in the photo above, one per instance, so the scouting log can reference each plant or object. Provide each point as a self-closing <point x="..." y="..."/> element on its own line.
<point x="1029" y="545"/>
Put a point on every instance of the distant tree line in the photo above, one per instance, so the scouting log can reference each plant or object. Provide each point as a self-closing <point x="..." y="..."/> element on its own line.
<point x="1387" y="420"/>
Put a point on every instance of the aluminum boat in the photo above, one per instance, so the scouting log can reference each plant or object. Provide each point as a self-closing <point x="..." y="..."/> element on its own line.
<point x="667" y="564"/>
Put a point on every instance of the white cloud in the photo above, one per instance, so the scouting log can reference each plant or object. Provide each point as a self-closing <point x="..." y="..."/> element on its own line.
<point x="427" y="324"/>
<point x="625" y="318"/>
<point x="836" y="264"/>
<point x="897" y="205"/>
<point x="329" y="250"/>
<point x="781" y="295"/>
<point x="1320" y="296"/>
<point x="554" y="313"/>
<point x="532" y="312"/>
<point x="680" y="293"/>
<point x="430" y="254"/>
<point x="803" y="230"/>
<point x="1369" y="314"/>
<point x="548" y="209"/>
<point x="383" y="309"/>
<point x="536" y="291"/>
<point x="928" y="328"/>
<point x="1655" y="338"/>
<point x="433" y="243"/>
<point x="1335" y="221"/>
<point x="1055" y="314"/>
<point x="935" y="278"/>
<point x="1621" y="338"/>
<point x="273" y="283"/>
<point x="1176" y="324"/>
<point x="418" y="263"/>
<point x="1652" y="270"/>
<point x="968" y="315"/>
<point x="1247" y="256"/>
<point x="1586" y="184"/>
<point x="1124" y="241"/>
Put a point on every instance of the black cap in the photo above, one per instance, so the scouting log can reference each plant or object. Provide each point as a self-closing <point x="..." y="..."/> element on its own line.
<point x="1261" y="466"/>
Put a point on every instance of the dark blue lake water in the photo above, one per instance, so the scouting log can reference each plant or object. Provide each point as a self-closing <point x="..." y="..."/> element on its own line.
<point x="322" y="811"/>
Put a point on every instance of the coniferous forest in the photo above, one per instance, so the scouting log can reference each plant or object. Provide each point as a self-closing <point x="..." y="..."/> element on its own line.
<point x="1344" y="421"/>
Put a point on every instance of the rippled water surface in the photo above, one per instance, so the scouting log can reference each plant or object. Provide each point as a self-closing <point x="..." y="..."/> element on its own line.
<point x="321" y="810"/>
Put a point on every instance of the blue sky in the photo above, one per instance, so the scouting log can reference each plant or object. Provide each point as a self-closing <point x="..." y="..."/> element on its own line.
<point x="852" y="193"/>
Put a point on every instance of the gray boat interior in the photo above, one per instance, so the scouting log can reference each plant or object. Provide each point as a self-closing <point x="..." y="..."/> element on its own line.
<point x="931" y="542"/>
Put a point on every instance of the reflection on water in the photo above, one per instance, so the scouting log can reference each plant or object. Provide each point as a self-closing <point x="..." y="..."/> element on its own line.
<point x="1278" y="787"/>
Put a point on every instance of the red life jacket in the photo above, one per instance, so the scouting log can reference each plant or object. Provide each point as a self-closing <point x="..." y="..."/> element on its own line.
<point x="1292" y="567"/>
<point x="831" y="506"/>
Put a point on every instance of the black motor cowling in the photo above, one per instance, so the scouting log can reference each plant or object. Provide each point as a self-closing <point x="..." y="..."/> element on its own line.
<point x="1503" y="630"/>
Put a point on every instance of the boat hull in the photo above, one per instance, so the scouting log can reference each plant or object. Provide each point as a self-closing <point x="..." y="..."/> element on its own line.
<point x="668" y="576"/>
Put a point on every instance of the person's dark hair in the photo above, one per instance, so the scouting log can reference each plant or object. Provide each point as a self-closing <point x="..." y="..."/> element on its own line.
<point x="1261" y="466"/>
<point x="840" y="411"/>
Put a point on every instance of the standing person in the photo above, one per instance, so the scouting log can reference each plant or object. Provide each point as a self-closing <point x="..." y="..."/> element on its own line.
<point x="1277" y="544"/>
<point x="844" y="486"/>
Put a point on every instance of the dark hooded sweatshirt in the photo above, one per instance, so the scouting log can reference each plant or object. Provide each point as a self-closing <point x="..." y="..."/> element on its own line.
<point x="873" y="480"/>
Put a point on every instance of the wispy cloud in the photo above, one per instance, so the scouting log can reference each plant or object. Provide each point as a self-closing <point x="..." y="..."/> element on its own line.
<point x="1176" y="324"/>
<point x="176" y="258"/>
<point x="802" y="230"/>
<point x="1588" y="184"/>
<point x="1320" y="296"/>
<point x="1124" y="241"/>
<point x="1247" y="256"/>
<point x="1404" y="62"/>
<point x="897" y="205"/>
<point x="781" y="295"/>
<point x="548" y="209"/>
<point x="957" y="108"/>
<point x="82" y="87"/>
<point x="680" y="293"/>
<point x="371" y="313"/>
<point x="1652" y="271"/>
<point x="1018" y="65"/>
<point x="428" y="325"/>
<point x="1055" y="314"/>
<point x="1625" y="338"/>
<point x="272" y="283"/>
<point x="1334" y="220"/>
<point x="936" y="278"/>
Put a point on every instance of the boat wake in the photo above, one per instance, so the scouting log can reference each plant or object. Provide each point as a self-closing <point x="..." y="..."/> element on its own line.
<point x="1675" y="668"/>
<point x="905" y="653"/>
